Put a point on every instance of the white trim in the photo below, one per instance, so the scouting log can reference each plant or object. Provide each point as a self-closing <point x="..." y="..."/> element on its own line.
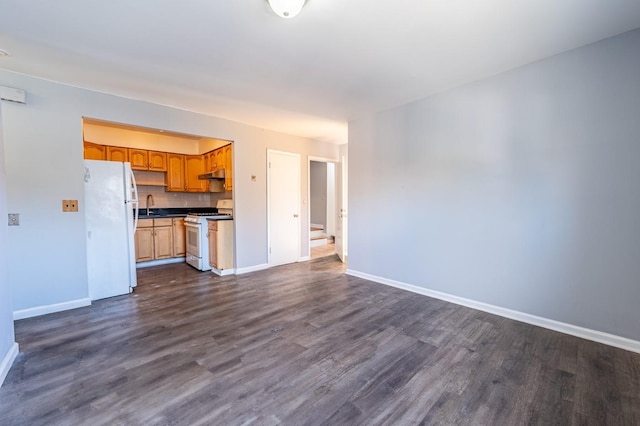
<point x="304" y="258"/>
<point x="311" y="158"/>
<point x="254" y="268"/>
<point x="573" y="330"/>
<point x="160" y="262"/>
<point x="223" y="272"/>
<point x="7" y="362"/>
<point x="49" y="309"/>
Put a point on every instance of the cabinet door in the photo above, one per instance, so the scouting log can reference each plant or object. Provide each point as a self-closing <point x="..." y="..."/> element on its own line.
<point x="219" y="159"/>
<point x="228" y="162"/>
<point x="139" y="159"/>
<point x="94" y="151"/>
<point x="163" y="242"/>
<point x="117" y="153"/>
<point x="179" y="246"/>
<point x="144" y="244"/>
<point x="194" y="166"/>
<point x="175" y="173"/>
<point x="213" y="244"/>
<point x="158" y="161"/>
<point x="207" y="162"/>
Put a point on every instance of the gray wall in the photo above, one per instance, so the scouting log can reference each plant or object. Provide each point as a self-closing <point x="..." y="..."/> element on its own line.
<point x="47" y="260"/>
<point x="521" y="191"/>
<point x="318" y="193"/>
<point x="6" y="314"/>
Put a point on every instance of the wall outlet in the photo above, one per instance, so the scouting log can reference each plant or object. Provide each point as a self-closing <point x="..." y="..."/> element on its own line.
<point x="69" y="205"/>
<point x="14" y="219"/>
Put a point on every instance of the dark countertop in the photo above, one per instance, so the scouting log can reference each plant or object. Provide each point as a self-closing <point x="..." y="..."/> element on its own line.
<point x="159" y="213"/>
<point x="220" y="218"/>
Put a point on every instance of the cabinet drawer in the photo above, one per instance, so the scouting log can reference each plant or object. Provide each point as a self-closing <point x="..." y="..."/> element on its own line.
<point x="145" y="223"/>
<point x="163" y="222"/>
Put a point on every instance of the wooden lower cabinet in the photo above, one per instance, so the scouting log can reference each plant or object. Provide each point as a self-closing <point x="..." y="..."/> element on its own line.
<point x="162" y="238"/>
<point x="220" y="236"/>
<point x="144" y="240"/>
<point x="179" y="242"/>
<point x="212" y="237"/>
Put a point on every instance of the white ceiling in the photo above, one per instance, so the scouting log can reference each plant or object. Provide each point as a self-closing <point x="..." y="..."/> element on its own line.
<point x="306" y="76"/>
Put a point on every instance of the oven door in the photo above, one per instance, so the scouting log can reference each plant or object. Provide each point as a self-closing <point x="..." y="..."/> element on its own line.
<point x="193" y="242"/>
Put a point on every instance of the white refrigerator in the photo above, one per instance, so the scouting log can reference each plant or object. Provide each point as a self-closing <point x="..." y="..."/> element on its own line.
<point x="111" y="215"/>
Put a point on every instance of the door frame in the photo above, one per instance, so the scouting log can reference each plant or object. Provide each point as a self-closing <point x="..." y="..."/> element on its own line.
<point x="311" y="158"/>
<point x="299" y="186"/>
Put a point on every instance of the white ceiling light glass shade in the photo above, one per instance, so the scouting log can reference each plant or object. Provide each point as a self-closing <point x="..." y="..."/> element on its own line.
<point x="286" y="8"/>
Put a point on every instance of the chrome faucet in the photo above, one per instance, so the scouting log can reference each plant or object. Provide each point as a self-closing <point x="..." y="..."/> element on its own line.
<point x="149" y="197"/>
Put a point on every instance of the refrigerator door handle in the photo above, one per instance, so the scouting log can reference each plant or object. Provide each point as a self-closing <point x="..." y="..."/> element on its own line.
<point x="134" y="201"/>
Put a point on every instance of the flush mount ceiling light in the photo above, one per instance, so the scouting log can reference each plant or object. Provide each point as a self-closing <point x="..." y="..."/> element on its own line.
<point x="4" y="53"/>
<point x="286" y="8"/>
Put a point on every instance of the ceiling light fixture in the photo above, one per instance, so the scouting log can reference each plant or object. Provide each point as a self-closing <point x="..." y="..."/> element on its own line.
<point x="4" y="53"/>
<point x="286" y="8"/>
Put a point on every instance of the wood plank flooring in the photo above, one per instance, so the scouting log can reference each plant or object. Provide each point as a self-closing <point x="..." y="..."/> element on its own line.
<point x="328" y="249"/>
<point x="305" y="344"/>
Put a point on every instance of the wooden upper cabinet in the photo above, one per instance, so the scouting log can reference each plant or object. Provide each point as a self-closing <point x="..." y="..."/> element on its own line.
<point x="209" y="161"/>
<point x="158" y="161"/>
<point x="194" y="166"/>
<point x="139" y="159"/>
<point x="175" y="172"/>
<point x="219" y="159"/>
<point x="182" y="170"/>
<point x="228" y="173"/>
<point x="117" y="153"/>
<point x="94" y="151"/>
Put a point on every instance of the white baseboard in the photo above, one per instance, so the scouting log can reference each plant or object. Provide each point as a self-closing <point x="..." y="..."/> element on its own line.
<point x="304" y="258"/>
<point x="573" y="330"/>
<point x="160" y="262"/>
<point x="223" y="272"/>
<point x="49" y="309"/>
<point x="7" y="362"/>
<point x="254" y="268"/>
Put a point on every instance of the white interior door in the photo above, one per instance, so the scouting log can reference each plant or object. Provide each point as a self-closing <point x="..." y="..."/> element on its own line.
<point x="341" y="207"/>
<point x="283" y="207"/>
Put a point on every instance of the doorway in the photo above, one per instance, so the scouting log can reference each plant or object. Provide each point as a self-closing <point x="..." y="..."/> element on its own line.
<point x="322" y="207"/>
<point x="283" y="207"/>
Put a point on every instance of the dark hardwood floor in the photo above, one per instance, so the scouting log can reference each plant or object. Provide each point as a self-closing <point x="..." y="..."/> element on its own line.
<point x="305" y="344"/>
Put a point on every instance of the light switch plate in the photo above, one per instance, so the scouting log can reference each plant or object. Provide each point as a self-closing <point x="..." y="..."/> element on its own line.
<point x="14" y="219"/>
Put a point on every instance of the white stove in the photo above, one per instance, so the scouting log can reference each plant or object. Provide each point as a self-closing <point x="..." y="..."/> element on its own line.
<point x="197" y="233"/>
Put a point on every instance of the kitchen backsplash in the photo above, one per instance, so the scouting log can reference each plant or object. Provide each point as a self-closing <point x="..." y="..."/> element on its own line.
<point x="164" y="199"/>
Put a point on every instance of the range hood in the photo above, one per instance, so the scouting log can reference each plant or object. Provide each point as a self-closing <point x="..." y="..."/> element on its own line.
<point x="218" y="174"/>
